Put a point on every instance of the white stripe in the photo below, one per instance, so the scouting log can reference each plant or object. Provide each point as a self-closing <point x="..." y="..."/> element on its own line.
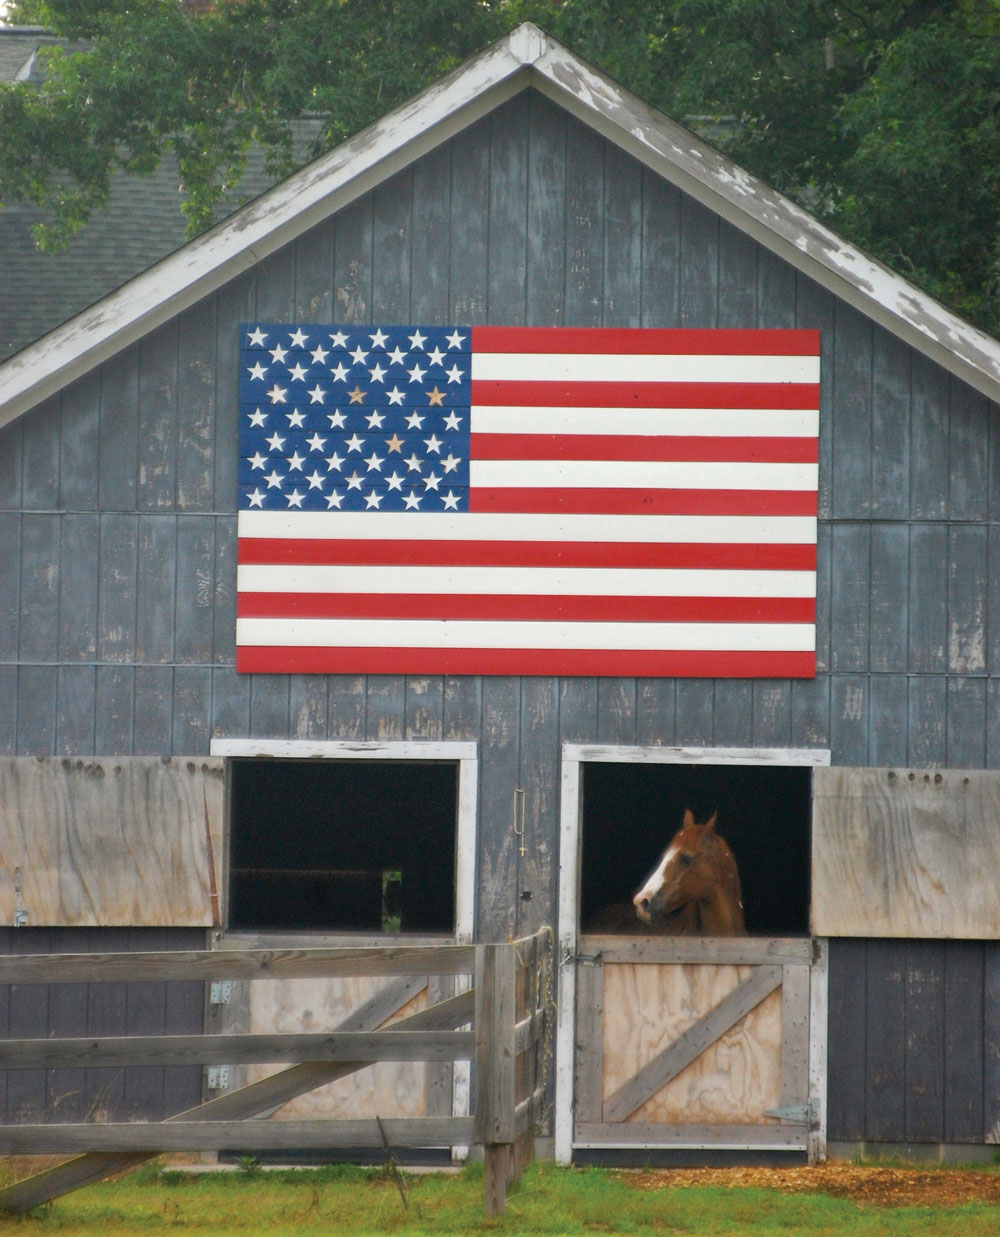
<point x="459" y="634"/>
<point x="641" y="475"/>
<point x="663" y="422"/>
<point x="640" y="367"/>
<point x="512" y="581"/>
<point x="482" y="526"/>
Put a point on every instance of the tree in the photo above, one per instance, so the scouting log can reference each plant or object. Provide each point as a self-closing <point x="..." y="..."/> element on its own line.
<point x="881" y="116"/>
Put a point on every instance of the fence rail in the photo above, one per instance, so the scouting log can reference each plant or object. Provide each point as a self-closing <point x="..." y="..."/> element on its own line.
<point x="507" y="1009"/>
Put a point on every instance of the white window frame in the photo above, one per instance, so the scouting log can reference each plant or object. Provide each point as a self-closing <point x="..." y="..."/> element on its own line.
<point x="465" y="755"/>
<point x="573" y="756"/>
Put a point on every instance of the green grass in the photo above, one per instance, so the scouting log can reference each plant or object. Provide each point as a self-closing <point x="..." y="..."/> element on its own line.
<point x="550" y="1200"/>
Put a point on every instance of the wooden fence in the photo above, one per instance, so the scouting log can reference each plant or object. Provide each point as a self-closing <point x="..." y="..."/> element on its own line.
<point x="507" y="1010"/>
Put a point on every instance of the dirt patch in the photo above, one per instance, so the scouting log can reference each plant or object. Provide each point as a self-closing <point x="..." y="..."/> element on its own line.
<point x="875" y="1186"/>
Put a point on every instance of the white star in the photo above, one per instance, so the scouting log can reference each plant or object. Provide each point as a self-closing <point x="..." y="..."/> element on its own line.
<point x="454" y="374"/>
<point x="432" y="482"/>
<point x="316" y="480"/>
<point x="417" y="340"/>
<point x="295" y="462"/>
<point x="315" y="442"/>
<point x="450" y="501"/>
<point x="454" y="339"/>
<point x="336" y="419"/>
<point x="412" y="500"/>
<point x="296" y="419"/>
<point x="395" y="481"/>
<point x="319" y="354"/>
<point x="359" y="355"/>
<point x="275" y="442"/>
<point x="334" y="461"/>
<point x="375" y="420"/>
<point x="414" y="463"/>
<point x="256" y="338"/>
<point x="436" y="357"/>
<point x="354" y="443"/>
<point x="257" y="461"/>
<point x="373" y="500"/>
<point x="397" y="355"/>
<point x="277" y="394"/>
<point x="452" y="421"/>
<point x="339" y="373"/>
<point x="317" y="395"/>
<point x="298" y="338"/>
<point x="295" y="498"/>
<point x="378" y="373"/>
<point x="375" y="462"/>
<point x="395" y="396"/>
<point x="278" y="354"/>
<point x="417" y="374"/>
<point x="334" y="499"/>
<point x="298" y="372"/>
<point x="257" y="418"/>
<point x="257" y="372"/>
<point x="415" y="421"/>
<point x="274" y="480"/>
<point x="256" y="499"/>
<point x="354" y="481"/>
<point x="433" y="443"/>
<point x="379" y="338"/>
<point x="339" y="340"/>
<point x="450" y="462"/>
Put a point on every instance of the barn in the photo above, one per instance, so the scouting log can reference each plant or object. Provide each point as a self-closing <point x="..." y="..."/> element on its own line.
<point x="160" y="789"/>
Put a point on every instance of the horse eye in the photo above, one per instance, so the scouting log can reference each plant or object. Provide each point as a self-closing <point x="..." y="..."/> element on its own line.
<point x="685" y="860"/>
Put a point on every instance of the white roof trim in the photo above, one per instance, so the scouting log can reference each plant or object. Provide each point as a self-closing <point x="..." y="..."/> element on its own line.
<point x="525" y="57"/>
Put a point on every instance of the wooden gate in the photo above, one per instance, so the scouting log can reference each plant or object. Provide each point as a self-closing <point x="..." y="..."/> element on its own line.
<point x="693" y="1044"/>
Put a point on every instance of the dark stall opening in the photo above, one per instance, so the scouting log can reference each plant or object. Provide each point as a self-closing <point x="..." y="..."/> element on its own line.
<point x="342" y="846"/>
<point x="631" y="811"/>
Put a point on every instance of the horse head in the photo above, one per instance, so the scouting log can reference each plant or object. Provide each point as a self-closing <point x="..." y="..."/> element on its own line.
<point x="696" y="870"/>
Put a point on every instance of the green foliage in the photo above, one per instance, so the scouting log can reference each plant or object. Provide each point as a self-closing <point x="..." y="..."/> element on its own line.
<point x="883" y="117"/>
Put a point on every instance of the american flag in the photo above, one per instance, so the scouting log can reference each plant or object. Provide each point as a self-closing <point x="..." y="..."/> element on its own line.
<point x="519" y="500"/>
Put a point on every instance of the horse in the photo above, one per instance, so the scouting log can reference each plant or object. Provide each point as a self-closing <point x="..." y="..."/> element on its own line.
<point x="694" y="890"/>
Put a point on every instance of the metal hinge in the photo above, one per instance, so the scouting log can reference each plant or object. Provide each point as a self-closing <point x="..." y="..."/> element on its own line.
<point x="220" y="992"/>
<point x="794" y="1114"/>
<point x="217" y="1077"/>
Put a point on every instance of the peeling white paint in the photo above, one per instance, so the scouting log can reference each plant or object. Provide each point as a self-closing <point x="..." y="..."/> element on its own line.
<point x="525" y="58"/>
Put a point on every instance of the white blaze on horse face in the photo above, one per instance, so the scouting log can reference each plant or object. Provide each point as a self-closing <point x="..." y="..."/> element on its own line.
<point x="653" y="885"/>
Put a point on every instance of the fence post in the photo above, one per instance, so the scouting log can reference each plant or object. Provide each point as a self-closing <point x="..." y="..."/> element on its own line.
<point x="494" y="1047"/>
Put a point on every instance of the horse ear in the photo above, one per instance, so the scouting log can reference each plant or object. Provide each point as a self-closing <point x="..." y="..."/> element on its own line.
<point x="688" y="819"/>
<point x="711" y="822"/>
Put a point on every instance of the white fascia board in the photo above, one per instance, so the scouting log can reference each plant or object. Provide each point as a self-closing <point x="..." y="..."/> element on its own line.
<point x="770" y="218"/>
<point x="264" y="226"/>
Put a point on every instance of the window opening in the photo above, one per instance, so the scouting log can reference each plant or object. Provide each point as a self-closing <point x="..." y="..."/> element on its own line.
<point x="340" y="845"/>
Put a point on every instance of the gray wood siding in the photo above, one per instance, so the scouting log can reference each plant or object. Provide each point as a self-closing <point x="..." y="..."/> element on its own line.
<point x="117" y="502"/>
<point x="914" y="1041"/>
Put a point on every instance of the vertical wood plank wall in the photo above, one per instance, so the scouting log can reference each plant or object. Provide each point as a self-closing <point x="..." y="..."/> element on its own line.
<point x="117" y="503"/>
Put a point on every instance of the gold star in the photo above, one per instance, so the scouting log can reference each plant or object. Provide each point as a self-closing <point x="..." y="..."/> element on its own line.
<point x="357" y="395"/>
<point x="395" y="443"/>
<point x="435" y="397"/>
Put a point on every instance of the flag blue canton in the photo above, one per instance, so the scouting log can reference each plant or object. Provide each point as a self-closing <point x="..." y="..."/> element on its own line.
<point x="354" y="420"/>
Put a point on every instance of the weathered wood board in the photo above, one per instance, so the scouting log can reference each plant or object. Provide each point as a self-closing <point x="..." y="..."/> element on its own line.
<point x="904" y="853"/>
<point x="102" y="842"/>
<point x="735" y="1080"/>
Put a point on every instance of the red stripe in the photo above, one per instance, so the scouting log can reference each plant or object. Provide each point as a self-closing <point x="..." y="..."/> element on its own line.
<point x="644" y="502"/>
<point x="648" y="341"/>
<point x="528" y="607"/>
<point x="590" y="662"/>
<point x="643" y="447"/>
<point x="623" y="394"/>
<point x="718" y="555"/>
